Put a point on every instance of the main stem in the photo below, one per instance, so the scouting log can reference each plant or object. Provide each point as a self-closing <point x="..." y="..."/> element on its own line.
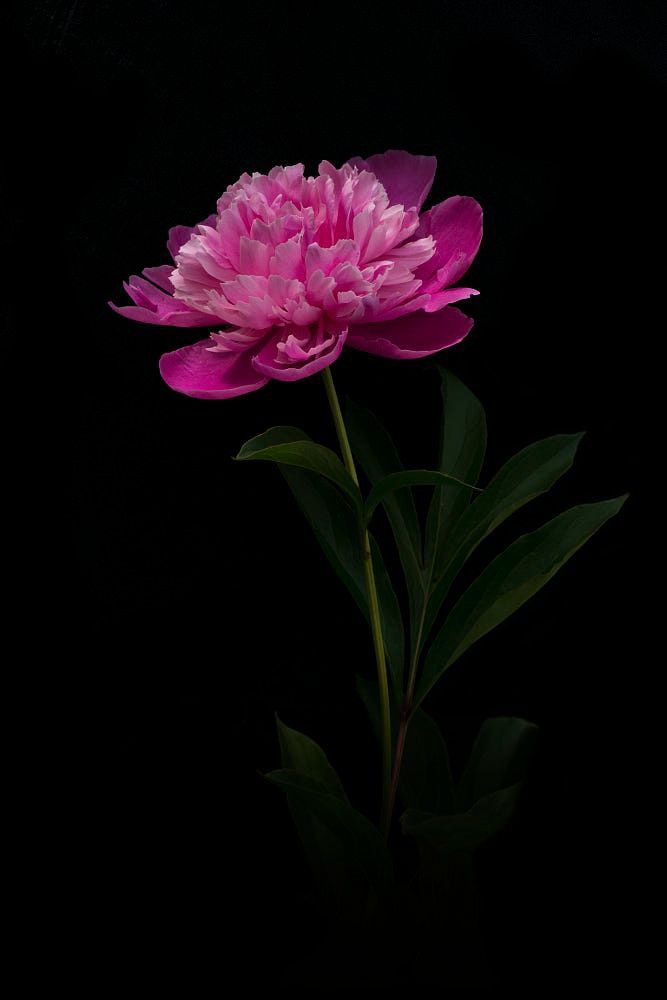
<point x="373" y="607"/>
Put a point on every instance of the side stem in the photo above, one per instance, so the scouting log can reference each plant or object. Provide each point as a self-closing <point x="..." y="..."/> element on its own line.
<point x="373" y="607"/>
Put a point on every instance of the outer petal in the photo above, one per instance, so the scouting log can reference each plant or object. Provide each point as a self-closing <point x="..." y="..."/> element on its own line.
<point x="155" y="306"/>
<point x="197" y="371"/>
<point x="160" y="276"/>
<point x="179" y="235"/>
<point x="407" y="179"/>
<point x="456" y="226"/>
<point x="439" y="299"/>
<point x="269" y="361"/>
<point x="414" y="336"/>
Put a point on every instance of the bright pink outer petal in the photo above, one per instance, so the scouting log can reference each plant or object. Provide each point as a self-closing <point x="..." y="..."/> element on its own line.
<point x="157" y="307"/>
<point x="185" y="319"/>
<point x="414" y="336"/>
<point x="456" y="226"/>
<point x="406" y="178"/>
<point x="265" y="360"/>
<point x="196" y="371"/>
<point x="445" y="298"/>
<point x="160" y="276"/>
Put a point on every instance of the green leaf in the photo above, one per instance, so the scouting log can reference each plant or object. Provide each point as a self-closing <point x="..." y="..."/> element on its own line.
<point x="368" y="691"/>
<point x="376" y="453"/>
<point x="275" y="445"/>
<point x="354" y="858"/>
<point x="300" y="753"/>
<point x="499" y="758"/>
<point x="440" y="837"/>
<point x="462" y="448"/>
<point x="335" y="528"/>
<point x="509" y="581"/>
<point x="399" y="480"/>
<point x="426" y="781"/>
<point x="527" y="475"/>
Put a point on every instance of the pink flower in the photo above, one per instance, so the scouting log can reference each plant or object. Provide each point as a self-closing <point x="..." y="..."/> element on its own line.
<point x="293" y="268"/>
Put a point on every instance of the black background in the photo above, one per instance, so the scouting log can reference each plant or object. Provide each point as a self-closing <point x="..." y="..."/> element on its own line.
<point x="201" y="604"/>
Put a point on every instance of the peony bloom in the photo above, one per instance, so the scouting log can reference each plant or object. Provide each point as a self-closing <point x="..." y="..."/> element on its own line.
<point x="291" y="269"/>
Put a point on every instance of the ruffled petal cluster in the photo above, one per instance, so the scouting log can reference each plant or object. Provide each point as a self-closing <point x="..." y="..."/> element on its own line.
<point x="292" y="268"/>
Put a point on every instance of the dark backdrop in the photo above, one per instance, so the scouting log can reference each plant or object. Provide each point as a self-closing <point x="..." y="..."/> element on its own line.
<point x="200" y="604"/>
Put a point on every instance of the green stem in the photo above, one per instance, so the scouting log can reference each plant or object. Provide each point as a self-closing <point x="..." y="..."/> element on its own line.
<point x="373" y="606"/>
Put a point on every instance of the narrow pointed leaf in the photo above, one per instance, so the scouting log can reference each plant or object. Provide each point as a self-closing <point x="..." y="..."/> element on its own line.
<point x="527" y="475"/>
<point x="462" y="449"/>
<point x="323" y="849"/>
<point x="376" y="453"/>
<point x="336" y="529"/>
<point x="368" y="691"/>
<point x="509" y="581"/>
<point x="426" y="780"/>
<point x="360" y="856"/>
<point x="370" y="697"/>
<point x="500" y="757"/>
<point x="414" y="477"/>
<point x="299" y="753"/>
<point x="440" y="837"/>
<point x="274" y="446"/>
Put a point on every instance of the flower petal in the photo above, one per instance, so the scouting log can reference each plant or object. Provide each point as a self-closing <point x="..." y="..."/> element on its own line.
<point x="445" y="298"/>
<point x="155" y="306"/>
<point x="179" y="235"/>
<point x="294" y="353"/>
<point x="407" y="179"/>
<point x="456" y="226"/>
<point x="413" y="336"/>
<point x="197" y="371"/>
<point x="160" y="276"/>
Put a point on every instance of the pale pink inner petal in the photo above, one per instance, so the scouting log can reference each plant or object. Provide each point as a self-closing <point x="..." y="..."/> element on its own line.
<point x="340" y="245"/>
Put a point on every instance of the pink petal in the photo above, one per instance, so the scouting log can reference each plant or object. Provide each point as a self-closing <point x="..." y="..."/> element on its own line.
<point x="439" y="299"/>
<point x="179" y="235"/>
<point x="283" y="358"/>
<point x="197" y="371"/>
<point x="456" y="226"/>
<point x="407" y="179"/>
<point x="414" y="336"/>
<point x="160" y="276"/>
<point x="155" y="306"/>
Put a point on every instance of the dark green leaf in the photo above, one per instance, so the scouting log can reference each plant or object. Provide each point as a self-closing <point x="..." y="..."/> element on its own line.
<point x="337" y="531"/>
<point x="284" y="434"/>
<point x="509" y="581"/>
<point x="524" y="477"/>
<point x="275" y="445"/>
<point x="462" y="448"/>
<point x="376" y="453"/>
<point x="299" y="753"/>
<point x="439" y="837"/>
<point x="426" y="780"/>
<point x="356" y="854"/>
<point x="374" y="449"/>
<point x="368" y="691"/>
<point x="400" y="480"/>
<point x="370" y="696"/>
<point x="499" y="758"/>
